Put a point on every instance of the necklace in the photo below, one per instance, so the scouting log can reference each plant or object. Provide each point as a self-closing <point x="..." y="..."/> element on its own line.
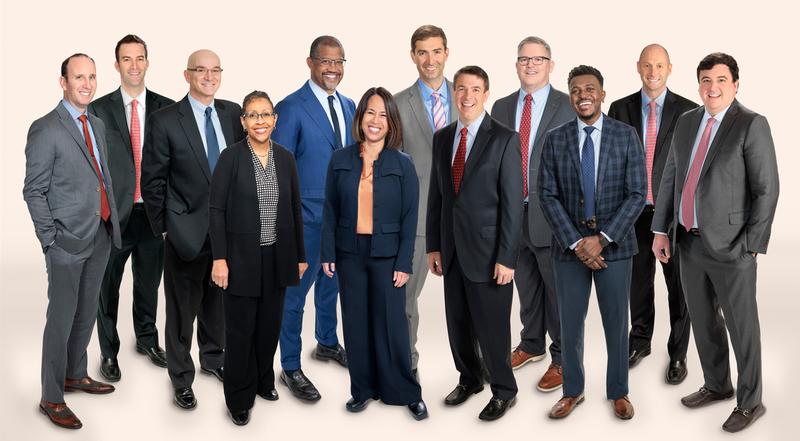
<point x="254" y="150"/>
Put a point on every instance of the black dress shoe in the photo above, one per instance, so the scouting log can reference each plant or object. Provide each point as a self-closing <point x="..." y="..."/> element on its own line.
<point x="156" y="355"/>
<point x="676" y="371"/>
<point x="300" y="386"/>
<point x="740" y="419"/>
<point x="109" y="369"/>
<point x="356" y="406"/>
<point x="418" y="410"/>
<point x="240" y="418"/>
<point x="637" y="355"/>
<point x="272" y="395"/>
<point x="184" y="398"/>
<point x="496" y="408"/>
<point x="703" y="397"/>
<point x="461" y="393"/>
<point x="217" y="372"/>
<point x="325" y="353"/>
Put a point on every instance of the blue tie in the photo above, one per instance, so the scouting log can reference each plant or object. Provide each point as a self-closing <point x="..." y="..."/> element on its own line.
<point x="587" y="169"/>
<point x="211" y="141"/>
<point x="335" y="118"/>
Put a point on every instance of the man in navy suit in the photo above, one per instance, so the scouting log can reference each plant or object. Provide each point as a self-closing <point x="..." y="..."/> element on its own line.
<point x="592" y="190"/>
<point x="314" y="121"/>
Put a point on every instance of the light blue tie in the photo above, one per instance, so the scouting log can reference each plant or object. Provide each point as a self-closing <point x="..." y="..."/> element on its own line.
<point x="587" y="169"/>
<point x="211" y="141"/>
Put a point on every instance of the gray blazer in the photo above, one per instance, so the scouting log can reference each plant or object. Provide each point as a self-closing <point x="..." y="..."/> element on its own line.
<point x="558" y="111"/>
<point x="418" y="140"/>
<point x="61" y="185"/>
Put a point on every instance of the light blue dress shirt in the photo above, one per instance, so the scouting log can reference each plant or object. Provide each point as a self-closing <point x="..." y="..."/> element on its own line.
<point x="199" y="111"/>
<point x="596" y="137"/>
<point x="75" y="114"/>
<point x="322" y="97"/>
<point x="472" y="131"/>
<point x="427" y="99"/>
<point x="646" y="113"/>
<point x="539" y="100"/>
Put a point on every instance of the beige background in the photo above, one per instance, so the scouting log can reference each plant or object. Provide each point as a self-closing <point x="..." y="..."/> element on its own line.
<point x="264" y="46"/>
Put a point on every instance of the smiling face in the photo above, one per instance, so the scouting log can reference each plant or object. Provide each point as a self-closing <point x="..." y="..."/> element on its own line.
<point x="532" y="77"/>
<point x="375" y="123"/>
<point x="586" y="95"/>
<point x="717" y="88"/>
<point x="326" y="77"/>
<point x="203" y="86"/>
<point x="654" y="69"/>
<point x="80" y="84"/>
<point x="471" y="95"/>
<point x="132" y="66"/>
<point x="430" y="56"/>
<point x="257" y="127"/>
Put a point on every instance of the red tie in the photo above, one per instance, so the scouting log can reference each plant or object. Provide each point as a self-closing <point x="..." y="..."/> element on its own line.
<point x="650" y="149"/>
<point x="524" y="139"/>
<point x="458" y="162"/>
<point x="105" y="212"/>
<point x="136" y="146"/>
<point x="689" y="188"/>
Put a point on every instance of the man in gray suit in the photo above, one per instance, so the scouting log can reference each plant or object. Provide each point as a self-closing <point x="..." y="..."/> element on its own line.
<point x="426" y="106"/>
<point x="71" y="202"/>
<point x="532" y="111"/>
<point x="719" y="190"/>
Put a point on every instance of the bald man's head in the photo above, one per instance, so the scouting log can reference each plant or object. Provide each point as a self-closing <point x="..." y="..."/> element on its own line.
<point x="654" y="68"/>
<point x="204" y="75"/>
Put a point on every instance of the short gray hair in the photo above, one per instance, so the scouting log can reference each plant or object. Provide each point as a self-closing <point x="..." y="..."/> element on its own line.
<point x="534" y="40"/>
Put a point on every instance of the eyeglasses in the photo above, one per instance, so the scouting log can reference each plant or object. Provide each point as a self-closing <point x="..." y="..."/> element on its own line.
<point x="523" y="61"/>
<point x="203" y="70"/>
<point x="266" y="116"/>
<point x="328" y="62"/>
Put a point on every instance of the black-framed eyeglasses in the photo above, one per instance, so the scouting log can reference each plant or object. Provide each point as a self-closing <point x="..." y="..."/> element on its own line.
<point x="328" y="62"/>
<point x="255" y="116"/>
<point x="204" y="70"/>
<point x="523" y="61"/>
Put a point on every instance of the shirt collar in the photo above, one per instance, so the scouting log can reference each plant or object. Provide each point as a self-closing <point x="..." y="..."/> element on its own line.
<point x="539" y="97"/>
<point x="598" y="125"/>
<point x="126" y="99"/>
<point x="198" y="106"/>
<point x="718" y="117"/>
<point x="659" y="99"/>
<point x="73" y="112"/>
<point x="427" y="91"/>
<point x="472" y="129"/>
<point x="321" y="94"/>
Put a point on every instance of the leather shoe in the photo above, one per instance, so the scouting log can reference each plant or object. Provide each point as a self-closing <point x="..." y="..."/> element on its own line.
<point x="703" y="397"/>
<point x="88" y="385"/>
<point x="300" y="386"/>
<point x="418" y="410"/>
<point x="356" y="406"/>
<point x="461" y="393"/>
<point x="271" y="395"/>
<point x="240" y="418"/>
<point x="184" y="398"/>
<point x="496" y="408"/>
<point x="519" y="358"/>
<point x="676" y="371"/>
<point x="217" y="372"/>
<point x="636" y="355"/>
<point x="109" y="369"/>
<point x="156" y="355"/>
<point x="623" y="409"/>
<point x="552" y="379"/>
<point x="60" y="415"/>
<point x="565" y="406"/>
<point x="740" y="419"/>
<point x="325" y="353"/>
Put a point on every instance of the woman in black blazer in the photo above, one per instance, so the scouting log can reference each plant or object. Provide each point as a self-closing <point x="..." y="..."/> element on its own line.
<point x="254" y="218"/>
<point x="368" y="231"/>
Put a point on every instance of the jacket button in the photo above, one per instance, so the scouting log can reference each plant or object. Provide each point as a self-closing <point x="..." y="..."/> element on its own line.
<point x="97" y="213"/>
<point x="97" y="189"/>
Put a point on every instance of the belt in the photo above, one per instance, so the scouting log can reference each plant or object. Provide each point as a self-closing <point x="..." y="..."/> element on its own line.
<point x="693" y="231"/>
<point x="525" y="205"/>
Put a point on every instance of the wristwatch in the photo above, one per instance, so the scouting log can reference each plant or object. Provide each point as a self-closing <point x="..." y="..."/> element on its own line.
<point x="603" y="241"/>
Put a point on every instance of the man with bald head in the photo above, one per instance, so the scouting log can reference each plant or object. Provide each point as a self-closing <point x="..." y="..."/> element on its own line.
<point x="180" y="152"/>
<point x="653" y="112"/>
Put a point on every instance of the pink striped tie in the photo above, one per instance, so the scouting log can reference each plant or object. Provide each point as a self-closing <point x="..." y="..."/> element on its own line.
<point x="690" y="187"/>
<point x="136" y="146"/>
<point x="438" y="111"/>
<point x="650" y="149"/>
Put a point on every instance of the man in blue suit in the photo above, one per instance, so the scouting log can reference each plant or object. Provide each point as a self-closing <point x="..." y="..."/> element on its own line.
<point x="314" y="121"/>
<point x="592" y="190"/>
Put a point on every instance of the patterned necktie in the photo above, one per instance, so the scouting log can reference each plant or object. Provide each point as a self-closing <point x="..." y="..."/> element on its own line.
<point x="439" y="119"/>
<point x="458" y="161"/>
<point x="335" y="118"/>
<point x="587" y="169"/>
<point x="650" y="148"/>
<point x="105" y="211"/>
<point x="136" y="147"/>
<point x="524" y="140"/>
<point x="212" y="145"/>
<point x="689" y="188"/>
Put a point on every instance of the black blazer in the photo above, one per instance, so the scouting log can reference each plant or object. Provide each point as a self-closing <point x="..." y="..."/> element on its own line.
<point x="111" y="110"/>
<point x="629" y="111"/>
<point x="176" y="175"/>
<point x="484" y="222"/>
<point x="235" y="223"/>
<point x="395" y="202"/>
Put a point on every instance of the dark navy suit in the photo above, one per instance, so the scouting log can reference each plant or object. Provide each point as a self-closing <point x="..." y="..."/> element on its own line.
<point x="373" y="310"/>
<point x="305" y="130"/>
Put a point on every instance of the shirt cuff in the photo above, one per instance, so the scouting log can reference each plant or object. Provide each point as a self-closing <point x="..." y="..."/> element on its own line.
<point x="572" y="247"/>
<point x="606" y="236"/>
<point x="659" y="232"/>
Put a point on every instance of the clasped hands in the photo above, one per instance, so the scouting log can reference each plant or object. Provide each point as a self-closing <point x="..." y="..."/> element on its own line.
<point x="219" y="272"/>
<point x="589" y="252"/>
<point x="503" y="275"/>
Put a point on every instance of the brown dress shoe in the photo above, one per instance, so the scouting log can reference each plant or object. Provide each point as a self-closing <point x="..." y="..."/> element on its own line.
<point x="60" y="415"/>
<point x="552" y="379"/>
<point x="623" y="409"/>
<point x="520" y="357"/>
<point x="564" y="406"/>
<point x="88" y="385"/>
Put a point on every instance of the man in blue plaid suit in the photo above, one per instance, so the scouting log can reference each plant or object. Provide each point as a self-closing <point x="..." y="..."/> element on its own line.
<point x="592" y="190"/>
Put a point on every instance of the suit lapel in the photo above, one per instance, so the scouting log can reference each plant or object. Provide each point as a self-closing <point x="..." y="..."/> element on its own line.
<point x="69" y="124"/>
<point x="605" y="145"/>
<point x="348" y="121"/>
<point x="446" y="154"/>
<point x="118" y="112"/>
<point x="192" y="132"/>
<point x="478" y="146"/>
<point x="225" y="121"/>
<point x="573" y="146"/>
<point x="719" y="139"/>
<point x="667" y="117"/>
<point x="550" y="110"/>
<point x="453" y="116"/>
<point x="635" y="113"/>
<point x="419" y="111"/>
<point x="317" y="114"/>
<point x="683" y="159"/>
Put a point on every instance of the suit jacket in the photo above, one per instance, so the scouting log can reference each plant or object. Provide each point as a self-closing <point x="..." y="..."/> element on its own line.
<point x="304" y="129"/>
<point x="235" y="222"/>
<point x="111" y="110"/>
<point x="629" y="111"/>
<point x="619" y="194"/>
<point x="176" y="175"/>
<point x="395" y="201"/>
<point x="483" y="223"/>
<point x="418" y="139"/>
<point x="737" y="191"/>
<point x="557" y="111"/>
<point x="61" y="184"/>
